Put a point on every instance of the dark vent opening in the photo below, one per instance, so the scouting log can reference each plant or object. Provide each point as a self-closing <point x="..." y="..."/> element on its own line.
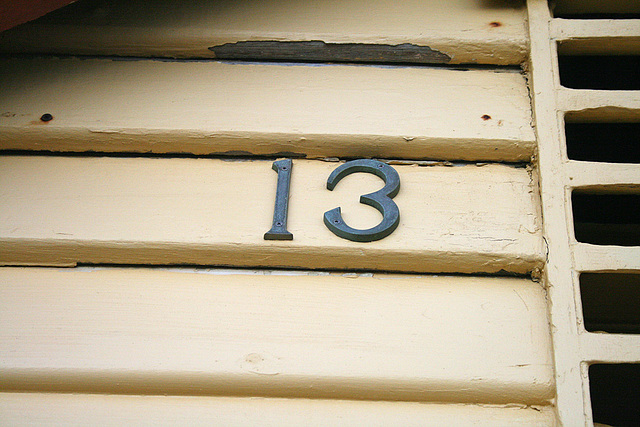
<point x="603" y="142"/>
<point x="597" y="15"/>
<point x="595" y="9"/>
<point x="615" y="394"/>
<point x="610" y="302"/>
<point x="606" y="219"/>
<point x="600" y="72"/>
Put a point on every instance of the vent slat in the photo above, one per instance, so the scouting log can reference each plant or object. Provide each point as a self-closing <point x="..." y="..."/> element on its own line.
<point x="597" y="36"/>
<point x="606" y="258"/>
<point x="600" y="105"/>
<point x="610" y="348"/>
<point x="596" y="176"/>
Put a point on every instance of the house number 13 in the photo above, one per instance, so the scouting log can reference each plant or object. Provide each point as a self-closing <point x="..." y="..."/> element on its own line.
<point x="381" y="200"/>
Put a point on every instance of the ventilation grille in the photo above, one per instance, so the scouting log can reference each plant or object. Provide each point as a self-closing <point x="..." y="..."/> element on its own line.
<point x="587" y="105"/>
<point x="598" y="70"/>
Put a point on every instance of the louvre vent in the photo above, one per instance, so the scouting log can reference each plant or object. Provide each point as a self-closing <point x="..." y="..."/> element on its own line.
<point x="585" y="58"/>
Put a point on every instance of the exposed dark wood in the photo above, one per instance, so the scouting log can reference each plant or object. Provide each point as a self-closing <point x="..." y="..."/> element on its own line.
<point x="319" y="51"/>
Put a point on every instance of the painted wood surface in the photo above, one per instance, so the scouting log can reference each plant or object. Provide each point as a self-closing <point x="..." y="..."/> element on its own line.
<point x="597" y="258"/>
<point x="609" y="348"/>
<point x="460" y="31"/>
<point x="619" y="177"/>
<point x="597" y="36"/>
<point x="600" y="105"/>
<point x="558" y="277"/>
<point x="216" y="108"/>
<point x="140" y="331"/>
<point x="18" y="409"/>
<point x="68" y="210"/>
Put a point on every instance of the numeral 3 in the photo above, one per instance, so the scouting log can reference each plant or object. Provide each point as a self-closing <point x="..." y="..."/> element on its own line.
<point x="381" y="200"/>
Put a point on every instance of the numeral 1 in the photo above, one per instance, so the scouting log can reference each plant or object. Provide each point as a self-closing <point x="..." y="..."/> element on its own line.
<point x="279" y="228"/>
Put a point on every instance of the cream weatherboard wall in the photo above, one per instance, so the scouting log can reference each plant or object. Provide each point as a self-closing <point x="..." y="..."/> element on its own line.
<point x="136" y="186"/>
<point x="100" y="322"/>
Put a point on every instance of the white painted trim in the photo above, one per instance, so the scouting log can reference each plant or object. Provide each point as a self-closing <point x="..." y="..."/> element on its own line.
<point x="600" y="105"/>
<point x="596" y="258"/>
<point x="603" y="176"/>
<point x="610" y="348"/>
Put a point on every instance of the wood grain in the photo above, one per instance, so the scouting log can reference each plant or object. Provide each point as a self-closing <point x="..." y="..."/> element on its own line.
<point x="251" y="109"/>
<point x="141" y="331"/>
<point x="68" y="210"/>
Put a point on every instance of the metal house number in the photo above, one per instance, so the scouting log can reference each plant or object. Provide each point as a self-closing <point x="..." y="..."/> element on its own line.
<point x="381" y="200"/>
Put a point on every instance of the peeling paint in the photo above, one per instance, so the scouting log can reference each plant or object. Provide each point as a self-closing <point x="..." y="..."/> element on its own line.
<point x="317" y="50"/>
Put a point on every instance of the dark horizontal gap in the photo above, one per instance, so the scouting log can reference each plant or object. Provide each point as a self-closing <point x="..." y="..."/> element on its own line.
<point x="611" y="302"/>
<point x="576" y="8"/>
<point x="615" y="72"/>
<point x="606" y="219"/>
<point x="615" y="394"/>
<point x="200" y="267"/>
<point x="597" y="15"/>
<point x="603" y="142"/>
<point x="84" y="12"/>
<point x="244" y="157"/>
<point x="230" y="156"/>
<point x="297" y="62"/>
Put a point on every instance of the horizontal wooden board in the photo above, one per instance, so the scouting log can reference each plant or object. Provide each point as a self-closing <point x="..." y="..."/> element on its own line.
<point x="215" y="108"/>
<point x="460" y="31"/>
<point x="19" y="409"/>
<point x="140" y="331"/>
<point x="68" y="210"/>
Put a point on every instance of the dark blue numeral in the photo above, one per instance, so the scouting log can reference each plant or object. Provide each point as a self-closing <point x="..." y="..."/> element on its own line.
<point x="279" y="228"/>
<point x="381" y="200"/>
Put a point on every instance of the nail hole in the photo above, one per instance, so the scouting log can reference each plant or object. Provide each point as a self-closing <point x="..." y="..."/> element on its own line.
<point x="486" y="117"/>
<point x="279" y="224"/>
<point x="284" y="168"/>
<point x="46" y="117"/>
